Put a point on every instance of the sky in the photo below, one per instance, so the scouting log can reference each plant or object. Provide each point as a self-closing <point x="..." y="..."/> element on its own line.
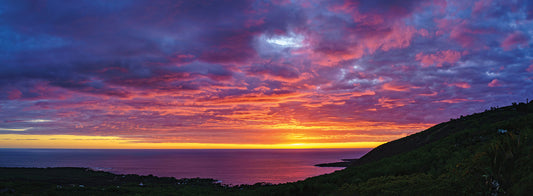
<point x="253" y="74"/>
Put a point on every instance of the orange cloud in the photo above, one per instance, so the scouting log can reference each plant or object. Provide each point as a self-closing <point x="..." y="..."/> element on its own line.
<point x="395" y="87"/>
<point x="429" y="94"/>
<point x="460" y="85"/>
<point x="393" y="103"/>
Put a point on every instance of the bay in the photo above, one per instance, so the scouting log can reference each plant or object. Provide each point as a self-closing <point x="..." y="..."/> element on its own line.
<point x="231" y="166"/>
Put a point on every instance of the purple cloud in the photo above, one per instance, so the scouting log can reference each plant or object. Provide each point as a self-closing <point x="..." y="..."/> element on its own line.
<point x="268" y="72"/>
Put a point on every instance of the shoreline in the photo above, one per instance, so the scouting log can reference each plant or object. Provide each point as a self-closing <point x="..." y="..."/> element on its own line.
<point x="343" y="163"/>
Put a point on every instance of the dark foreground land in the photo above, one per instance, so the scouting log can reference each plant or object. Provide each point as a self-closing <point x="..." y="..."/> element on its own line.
<point x="488" y="153"/>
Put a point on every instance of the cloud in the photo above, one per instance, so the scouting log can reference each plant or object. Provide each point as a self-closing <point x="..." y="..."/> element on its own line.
<point x="285" y="71"/>
<point x="439" y="58"/>
<point x="495" y="83"/>
<point x="456" y="100"/>
<point x="393" y="103"/>
<point x="515" y="39"/>
<point x="257" y="71"/>
<point x="465" y="33"/>
<point x="14" y="94"/>
<point x="395" y="87"/>
<point x="460" y="85"/>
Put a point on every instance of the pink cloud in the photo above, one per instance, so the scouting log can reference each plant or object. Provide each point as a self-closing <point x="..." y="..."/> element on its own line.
<point x="367" y="92"/>
<point x="457" y="100"/>
<point x="429" y="94"/>
<point x="180" y="59"/>
<point x="438" y="58"/>
<point x="110" y="69"/>
<point x="423" y="32"/>
<point x="346" y="7"/>
<point x="514" y="40"/>
<point x="530" y="68"/>
<point x="400" y="37"/>
<point x="14" y="94"/>
<point x="395" y="87"/>
<point x="481" y="5"/>
<point x="437" y="5"/>
<point x="254" y="22"/>
<point x="281" y="2"/>
<point x="460" y="84"/>
<point x="393" y="103"/>
<point x="331" y="57"/>
<point x="463" y="33"/>
<point x="495" y="83"/>
<point x="375" y="31"/>
<point x="359" y="42"/>
<point x="468" y="37"/>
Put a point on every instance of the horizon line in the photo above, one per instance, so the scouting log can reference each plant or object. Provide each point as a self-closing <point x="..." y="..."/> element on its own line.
<point x="2" y="148"/>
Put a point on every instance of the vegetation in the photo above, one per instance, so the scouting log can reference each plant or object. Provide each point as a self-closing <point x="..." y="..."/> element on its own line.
<point x="488" y="153"/>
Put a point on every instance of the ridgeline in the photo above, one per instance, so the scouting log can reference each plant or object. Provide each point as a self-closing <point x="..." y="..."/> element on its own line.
<point x="488" y="153"/>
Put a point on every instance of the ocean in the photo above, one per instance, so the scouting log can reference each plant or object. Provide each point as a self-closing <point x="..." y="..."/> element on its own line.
<point x="229" y="166"/>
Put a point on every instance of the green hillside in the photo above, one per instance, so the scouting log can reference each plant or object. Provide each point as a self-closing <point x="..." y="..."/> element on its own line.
<point x="480" y="154"/>
<point x="487" y="153"/>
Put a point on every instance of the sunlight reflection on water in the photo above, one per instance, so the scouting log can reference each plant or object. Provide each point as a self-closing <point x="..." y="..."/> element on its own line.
<point x="229" y="166"/>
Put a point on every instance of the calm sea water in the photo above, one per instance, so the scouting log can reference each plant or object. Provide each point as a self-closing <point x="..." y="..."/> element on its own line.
<point x="229" y="166"/>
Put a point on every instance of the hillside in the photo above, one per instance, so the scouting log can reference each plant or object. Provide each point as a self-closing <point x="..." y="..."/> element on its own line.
<point x="443" y="130"/>
<point x="488" y="153"/>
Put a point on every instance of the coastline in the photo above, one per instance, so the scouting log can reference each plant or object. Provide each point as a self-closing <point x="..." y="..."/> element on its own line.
<point x="86" y="181"/>
<point x="229" y="166"/>
<point x="343" y="163"/>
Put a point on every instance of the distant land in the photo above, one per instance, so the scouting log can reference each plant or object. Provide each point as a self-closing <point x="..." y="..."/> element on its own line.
<point x="488" y="153"/>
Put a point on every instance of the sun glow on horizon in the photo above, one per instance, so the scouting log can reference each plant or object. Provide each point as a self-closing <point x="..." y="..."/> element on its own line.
<point x="113" y="142"/>
<point x="291" y="135"/>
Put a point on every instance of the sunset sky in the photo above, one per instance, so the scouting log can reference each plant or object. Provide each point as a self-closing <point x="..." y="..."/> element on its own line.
<point x="253" y="74"/>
